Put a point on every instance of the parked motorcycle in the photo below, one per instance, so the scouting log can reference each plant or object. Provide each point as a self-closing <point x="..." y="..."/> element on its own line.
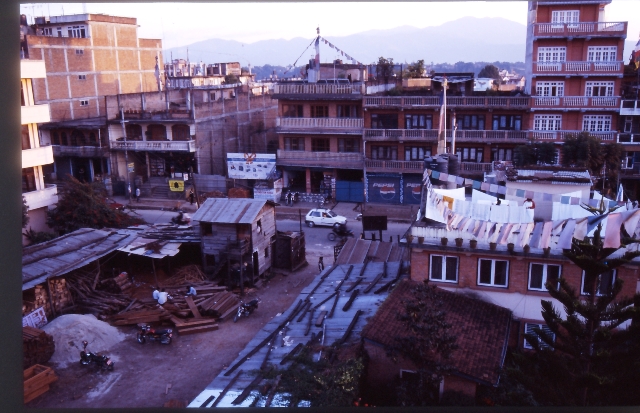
<point x="101" y="360"/>
<point x="296" y="197"/>
<point x="245" y="309"/>
<point x="341" y="231"/>
<point x="181" y="219"/>
<point x="146" y="332"/>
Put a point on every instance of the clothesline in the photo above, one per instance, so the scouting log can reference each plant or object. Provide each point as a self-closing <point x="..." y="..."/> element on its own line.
<point x="339" y="50"/>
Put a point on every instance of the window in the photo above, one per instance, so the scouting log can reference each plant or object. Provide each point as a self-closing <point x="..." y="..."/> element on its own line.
<point x="82" y="77"/>
<point x="628" y="123"/>
<point x="539" y="274"/>
<point x="384" y="152"/>
<point x="320" y="145"/>
<point x="602" y="53"/>
<point x="347" y="111"/>
<point x="418" y="122"/>
<point x="266" y="252"/>
<point x="292" y="111"/>
<point x="59" y="30"/>
<point x="79" y="51"/>
<point x="565" y="16"/>
<point x="470" y="122"/>
<point x="84" y="103"/>
<point x="552" y="54"/>
<point x="77" y="31"/>
<point x="627" y="160"/>
<point x="47" y="31"/>
<point x="550" y="88"/>
<point x="384" y="121"/>
<point x="596" y="123"/>
<point x="319" y="111"/>
<point x="470" y="154"/>
<point x="604" y="283"/>
<point x="28" y="180"/>
<point x="547" y="122"/>
<point x="493" y="273"/>
<point x="443" y="268"/>
<point x="26" y="140"/>
<point x="529" y="329"/>
<point x="501" y="154"/>
<point x="506" y="122"/>
<point x="416" y="153"/>
<point x="599" y="89"/>
<point x="348" y="145"/>
<point x="294" y="144"/>
<point x="207" y="228"/>
<point x="22" y="99"/>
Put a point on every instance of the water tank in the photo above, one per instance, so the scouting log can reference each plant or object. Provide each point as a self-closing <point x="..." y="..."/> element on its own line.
<point x="454" y="165"/>
<point x="442" y="162"/>
<point x="430" y="163"/>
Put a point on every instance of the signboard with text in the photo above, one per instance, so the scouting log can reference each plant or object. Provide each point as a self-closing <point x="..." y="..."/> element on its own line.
<point x="176" y="185"/>
<point x="250" y="165"/>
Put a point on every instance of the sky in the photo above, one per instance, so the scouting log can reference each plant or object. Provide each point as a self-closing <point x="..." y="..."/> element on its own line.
<point x="186" y="23"/>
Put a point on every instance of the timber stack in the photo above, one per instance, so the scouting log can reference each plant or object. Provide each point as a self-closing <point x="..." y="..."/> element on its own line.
<point x="116" y="285"/>
<point x="37" y="380"/>
<point x="40" y="300"/>
<point x="88" y="300"/>
<point x="60" y="293"/>
<point x="37" y="346"/>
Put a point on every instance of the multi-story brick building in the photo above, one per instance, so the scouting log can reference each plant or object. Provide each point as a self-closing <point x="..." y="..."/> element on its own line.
<point x="38" y="195"/>
<point x="87" y="57"/>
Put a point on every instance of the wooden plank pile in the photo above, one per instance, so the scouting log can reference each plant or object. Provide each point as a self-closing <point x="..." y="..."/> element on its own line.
<point x="136" y="316"/>
<point x="89" y="300"/>
<point x="116" y="285"/>
<point x="40" y="300"/>
<point x="37" y="346"/>
<point x="60" y="293"/>
<point x="37" y="380"/>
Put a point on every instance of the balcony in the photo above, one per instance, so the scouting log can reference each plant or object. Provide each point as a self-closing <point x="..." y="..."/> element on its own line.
<point x="474" y="167"/>
<point x="158" y="115"/>
<point x="37" y="156"/>
<point x="575" y="102"/>
<point x="32" y="69"/>
<point x="319" y="159"/>
<point x="154" y="146"/>
<point x="630" y="108"/>
<point x="357" y="89"/>
<point x="80" y="151"/>
<point x="320" y="125"/>
<point x="629" y="138"/>
<point x="35" y="114"/>
<point x="41" y="198"/>
<point x="561" y="135"/>
<point x="580" y="29"/>
<point x="377" y="165"/>
<point x="431" y="135"/>
<point x="417" y="102"/>
<point x="577" y="68"/>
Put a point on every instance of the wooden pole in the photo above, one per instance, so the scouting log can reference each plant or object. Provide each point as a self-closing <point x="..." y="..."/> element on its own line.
<point x="155" y="277"/>
<point x="95" y="281"/>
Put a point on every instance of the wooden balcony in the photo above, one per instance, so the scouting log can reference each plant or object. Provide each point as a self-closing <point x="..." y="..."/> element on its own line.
<point x="80" y="151"/>
<point x="575" y="102"/>
<point x="154" y="146"/>
<point x="320" y="125"/>
<point x="561" y="135"/>
<point x="416" y="102"/>
<point x="630" y="107"/>
<point x="580" y="29"/>
<point x="377" y="165"/>
<point x="475" y="168"/>
<point x="431" y="135"/>
<point x="629" y="138"/>
<point x="319" y="159"/>
<point x="318" y="89"/>
<point x="577" y="68"/>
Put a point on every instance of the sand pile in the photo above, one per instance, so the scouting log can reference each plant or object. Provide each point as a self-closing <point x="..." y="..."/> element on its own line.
<point x="70" y="330"/>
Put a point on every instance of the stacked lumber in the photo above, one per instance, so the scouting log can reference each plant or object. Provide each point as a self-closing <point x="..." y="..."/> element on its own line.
<point x="133" y="317"/>
<point x="37" y="346"/>
<point x="194" y="325"/>
<point x="119" y="284"/>
<point x="189" y="274"/>
<point x="37" y="380"/>
<point x="60" y="293"/>
<point x="220" y="304"/>
<point x="239" y="193"/>
<point x="41" y="300"/>
<point x="88" y="300"/>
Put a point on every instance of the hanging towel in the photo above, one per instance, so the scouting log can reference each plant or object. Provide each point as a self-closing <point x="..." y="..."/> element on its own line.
<point x="580" y="230"/>
<point x="545" y="238"/>
<point x="612" y="233"/>
<point x="535" y="237"/>
<point x="564" y="242"/>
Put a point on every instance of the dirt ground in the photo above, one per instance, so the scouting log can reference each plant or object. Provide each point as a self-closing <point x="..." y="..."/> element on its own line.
<point x="152" y="374"/>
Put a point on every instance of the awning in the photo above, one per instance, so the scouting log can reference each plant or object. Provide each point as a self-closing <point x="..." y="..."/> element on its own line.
<point x="152" y="248"/>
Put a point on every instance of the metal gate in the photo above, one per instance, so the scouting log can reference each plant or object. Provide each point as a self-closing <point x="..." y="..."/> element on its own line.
<point x="349" y="191"/>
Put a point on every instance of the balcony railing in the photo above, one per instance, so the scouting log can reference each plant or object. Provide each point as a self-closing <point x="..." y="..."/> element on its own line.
<point x="575" y="102"/>
<point x="314" y="123"/>
<point x="579" y="29"/>
<point x="151" y="146"/>
<point x="475" y="167"/>
<point x="452" y="101"/>
<point x="80" y="151"/>
<point x="561" y="135"/>
<point x="563" y="68"/>
<point x="319" y="89"/>
<point x="37" y="156"/>
<point x="35" y="114"/>
<point x="630" y="108"/>
<point x="629" y="138"/>
<point x="431" y="135"/>
<point x="351" y="160"/>
<point x="377" y="165"/>
<point x="42" y="198"/>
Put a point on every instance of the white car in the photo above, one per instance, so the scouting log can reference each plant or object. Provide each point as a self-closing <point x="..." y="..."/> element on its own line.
<point x="323" y="216"/>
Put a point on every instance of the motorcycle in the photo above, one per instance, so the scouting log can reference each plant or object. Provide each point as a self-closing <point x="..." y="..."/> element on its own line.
<point x="101" y="360"/>
<point x="245" y="309"/>
<point x="296" y="197"/>
<point x="339" y="231"/>
<point x="147" y="333"/>
<point x="181" y="219"/>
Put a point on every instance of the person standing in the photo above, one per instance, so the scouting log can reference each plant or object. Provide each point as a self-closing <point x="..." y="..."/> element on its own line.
<point x="320" y="264"/>
<point x="138" y="194"/>
<point x="192" y="196"/>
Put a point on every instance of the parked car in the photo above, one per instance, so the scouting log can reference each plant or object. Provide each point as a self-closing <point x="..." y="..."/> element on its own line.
<point x="114" y="205"/>
<point x="323" y="216"/>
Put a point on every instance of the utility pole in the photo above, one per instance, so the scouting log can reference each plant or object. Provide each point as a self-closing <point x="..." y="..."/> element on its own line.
<point x="126" y="156"/>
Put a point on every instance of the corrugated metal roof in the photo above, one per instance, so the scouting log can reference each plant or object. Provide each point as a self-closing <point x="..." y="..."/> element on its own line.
<point x="229" y="210"/>
<point x="69" y="252"/>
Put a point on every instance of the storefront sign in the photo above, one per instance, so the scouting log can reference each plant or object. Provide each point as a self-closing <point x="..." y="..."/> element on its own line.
<point x="250" y="165"/>
<point x="176" y="185"/>
<point x="385" y="189"/>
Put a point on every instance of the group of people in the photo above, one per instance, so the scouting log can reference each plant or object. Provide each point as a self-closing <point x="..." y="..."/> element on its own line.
<point x="162" y="296"/>
<point x="290" y="198"/>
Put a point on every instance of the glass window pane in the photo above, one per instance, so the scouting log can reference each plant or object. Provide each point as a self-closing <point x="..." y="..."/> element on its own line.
<point x="553" y="274"/>
<point x="436" y="267"/>
<point x="535" y="279"/>
<point x="452" y="269"/>
<point x="500" y="273"/>
<point x="485" y="272"/>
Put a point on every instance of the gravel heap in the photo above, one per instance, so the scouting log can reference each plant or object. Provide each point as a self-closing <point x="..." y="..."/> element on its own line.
<point x="70" y="330"/>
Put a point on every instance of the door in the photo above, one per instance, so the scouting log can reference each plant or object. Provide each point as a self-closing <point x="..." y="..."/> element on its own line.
<point x="349" y="191"/>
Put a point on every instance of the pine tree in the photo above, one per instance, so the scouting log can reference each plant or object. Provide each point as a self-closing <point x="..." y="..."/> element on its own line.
<point x="573" y="364"/>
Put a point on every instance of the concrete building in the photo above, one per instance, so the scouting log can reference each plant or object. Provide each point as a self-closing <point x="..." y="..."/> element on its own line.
<point x="38" y="195"/>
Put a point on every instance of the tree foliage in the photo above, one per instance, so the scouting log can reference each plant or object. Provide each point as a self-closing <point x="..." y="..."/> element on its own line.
<point x="492" y="72"/>
<point x="384" y="68"/>
<point x="587" y="151"/>
<point x="415" y="70"/>
<point x="82" y="205"/>
<point x="539" y="153"/>
<point x="231" y="79"/>
<point x="25" y="212"/>
<point x="573" y="364"/>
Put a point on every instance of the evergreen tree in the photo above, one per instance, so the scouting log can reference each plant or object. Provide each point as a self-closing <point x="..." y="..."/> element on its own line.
<point x="587" y="151"/>
<point x="25" y="212"/>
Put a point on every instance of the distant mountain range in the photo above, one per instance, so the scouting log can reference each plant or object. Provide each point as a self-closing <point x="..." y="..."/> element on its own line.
<point x="468" y="39"/>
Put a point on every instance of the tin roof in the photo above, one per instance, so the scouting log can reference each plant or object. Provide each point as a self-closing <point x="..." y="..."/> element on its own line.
<point x="230" y="210"/>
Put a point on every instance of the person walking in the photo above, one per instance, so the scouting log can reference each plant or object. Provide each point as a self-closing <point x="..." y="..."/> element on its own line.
<point x="320" y="264"/>
<point x="138" y="194"/>
<point x="191" y="196"/>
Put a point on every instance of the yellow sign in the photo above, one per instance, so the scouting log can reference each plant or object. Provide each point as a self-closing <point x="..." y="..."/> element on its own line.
<point x="176" y="185"/>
